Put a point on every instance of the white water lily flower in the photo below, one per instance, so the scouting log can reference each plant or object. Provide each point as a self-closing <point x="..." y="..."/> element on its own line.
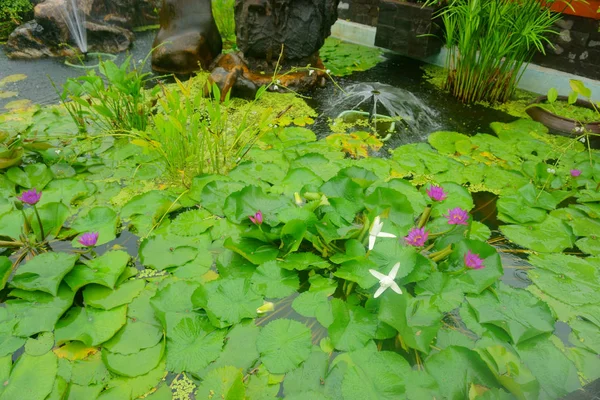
<point x="57" y="151"/>
<point x="387" y="281"/>
<point x="310" y="72"/>
<point x="551" y="170"/>
<point x="375" y="232"/>
<point x="275" y="87"/>
<point x="328" y="71"/>
<point x="582" y="140"/>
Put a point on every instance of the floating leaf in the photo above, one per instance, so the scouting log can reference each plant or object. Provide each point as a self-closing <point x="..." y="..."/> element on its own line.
<point x="38" y="311"/>
<point x="230" y="301"/>
<point x="102" y="297"/>
<point x="90" y="325"/>
<point x="225" y="383"/>
<point x="135" y="364"/>
<point x="551" y="235"/>
<point x="308" y="376"/>
<point x="21" y="386"/>
<point x="102" y="220"/>
<point x="283" y="344"/>
<point x="240" y="348"/>
<point x="352" y="326"/>
<point x="272" y="281"/>
<point x="44" y="272"/>
<point x="161" y="252"/>
<point x="192" y="344"/>
<point x="40" y="345"/>
<point x="239" y="205"/>
<point x="103" y="270"/>
<point x="515" y="311"/>
<point x="133" y="337"/>
<point x="31" y="176"/>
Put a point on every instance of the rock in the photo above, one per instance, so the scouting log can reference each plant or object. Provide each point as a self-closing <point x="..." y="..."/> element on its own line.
<point x="105" y="20"/>
<point x="300" y="26"/>
<point x="188" y="37"/>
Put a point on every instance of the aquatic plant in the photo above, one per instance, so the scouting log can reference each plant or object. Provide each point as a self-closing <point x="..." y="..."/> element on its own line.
<point x="490" y="42"/>
<point x="119" y="105"/>
<point x="223" y="11"/>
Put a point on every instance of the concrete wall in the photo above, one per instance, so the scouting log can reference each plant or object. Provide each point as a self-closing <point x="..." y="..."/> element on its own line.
<point x="359" y="11"/>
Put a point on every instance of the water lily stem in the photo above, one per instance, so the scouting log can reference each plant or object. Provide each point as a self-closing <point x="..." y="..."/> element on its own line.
<point x="4" y="243"/>
<point x="440" y="255"/>
<point x="37" y="214"/>
<point x="424" y="217"/>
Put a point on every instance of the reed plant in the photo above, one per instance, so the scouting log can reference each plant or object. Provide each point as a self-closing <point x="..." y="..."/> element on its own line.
<point x="198" y="134"/>
<point x="490" y="42"/>
<point x="223" y="11"/>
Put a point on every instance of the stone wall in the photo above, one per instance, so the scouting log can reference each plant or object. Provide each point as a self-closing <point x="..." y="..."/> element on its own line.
<point x="360" y="11"/>
<point x="576" y="47"/>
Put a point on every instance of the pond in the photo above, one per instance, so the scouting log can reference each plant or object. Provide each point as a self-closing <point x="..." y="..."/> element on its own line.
<point x="164" y="245"/>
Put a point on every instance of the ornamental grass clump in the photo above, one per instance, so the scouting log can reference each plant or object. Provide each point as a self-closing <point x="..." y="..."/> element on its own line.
<point x="490" y="42"/>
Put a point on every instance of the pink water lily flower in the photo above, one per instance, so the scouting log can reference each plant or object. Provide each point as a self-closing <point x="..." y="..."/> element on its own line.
<point x="575" y="173"/>
<point x="30" y="197"/>
<point x="89" y="239"/>
<point x="457" y="216"/>
<point x="417" y="237"/>
<point x="437" y="193"/>
<point x="473" y="261"/>
<point x="257" y="218"/>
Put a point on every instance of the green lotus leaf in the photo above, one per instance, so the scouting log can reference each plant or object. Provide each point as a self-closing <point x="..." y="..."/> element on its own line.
<point x="38" y="311"/>
<point x="53" y="216"/>
<point x="392" y="205"/>
<point x="589" y="245"/>
<point x="174" y="297"/>
<point x="67" y="191"/>
<point x="458" y="196"/>
<point x="8" y="342"/>
<point x="105" y="298"/>
<point x="102" y="220"/>
<point x="162" y="252"/>
<point x="515" y="311"/>
<point x="320" y="165"/>
<point x="11" y="224"/>
<point x="192" y="223"/>
<point x="253" y="250"/>
<point x="240" y="348"/>
<point x="251" y="199"/>
<point x="31" y="176"/>
<point x="371" y="374"/>
<point x="445" y="141"/>
<point x="44" y="272"/>
<point x="135" y="364"/>
<point x="315" y="305"/>
<point x="83" y="392"/>
<point x="40" y="345"/>
<point x="550" y="235"/>
<point x="5" y="270"/>
<point x="140" y="385"/>
<point x="457" y="368"/>
<point x="261" y="386"/>
<point x="214" y="195"/>
<point x="445" y="293"/>
<point x="415" y="198"/>
<point x="192" y="344"/>
<point x="283" y="345"/>
<point x="230" y="301"/>
<point x="133" y="337"/>
<point x="308" y="377"/>
<point x="585" y="334"/>
<point x="417" y="320"/>
<point x="273" y="282"/>
<point x="352" y="326"/>
<point x="21" y="386"/>
<point x="295" y="180"/>
<point x="513" y="209"/>
<point x="87" y="371"/>
<point x="556" y="374"/>
<point x="570" y="279"/>
<point x="301" y="261"/>
<point x="251" y="172"/>
<point x="226" y="383"/>
<point x="104" y="270"/>
<point x="90" y="325"/>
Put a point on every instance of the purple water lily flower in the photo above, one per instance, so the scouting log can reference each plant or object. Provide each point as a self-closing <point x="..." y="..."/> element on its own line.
<point x="473" y="261"/>
<point x="257" y="218"/>
<point x="457" y="216"/>
<point x="417" y="237"/>
<point x="437" y="193"/>
<point x="30" y="197"/>
<point x="89" y="239"/>
<point x="575" y="173"/>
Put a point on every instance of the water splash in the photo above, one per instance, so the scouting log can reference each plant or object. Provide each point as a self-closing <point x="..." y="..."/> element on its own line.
<point x="379" y="98"/>
<point x="74" y="17"/>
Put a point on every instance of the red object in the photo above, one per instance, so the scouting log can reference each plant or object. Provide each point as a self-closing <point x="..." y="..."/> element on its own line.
<point x="579" y="8"/>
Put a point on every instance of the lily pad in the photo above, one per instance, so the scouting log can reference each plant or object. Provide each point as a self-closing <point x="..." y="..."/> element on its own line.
<point x="272" y="281"/>
<point x="103" y="220"/>
<point x="104" y="270"/>
<point x="226" y="383"/>
<point x="230" y="301"/>
<point x="90" y="325"/>
<point x="135" y="364"/>
<point x="161" y="252"/>
<point x="105" y="298"/>
<point x="283" y="345"/>
<point x="21" y="386"/>
<point x="44" y="272"/>
<point x="550" y="236"/>
<point x="352" y="326"/>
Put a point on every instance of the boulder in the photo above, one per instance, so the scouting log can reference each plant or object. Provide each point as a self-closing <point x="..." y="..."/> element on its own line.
<point x="188" y="37"/>
<point x="300" y="26"/>
<point x="105" y="22"/>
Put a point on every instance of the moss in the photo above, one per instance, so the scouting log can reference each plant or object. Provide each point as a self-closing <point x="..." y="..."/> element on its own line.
<point x="345" y="58"/>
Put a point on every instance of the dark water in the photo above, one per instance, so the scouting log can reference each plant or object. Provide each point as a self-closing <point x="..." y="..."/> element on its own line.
<point x="38" y="88"/>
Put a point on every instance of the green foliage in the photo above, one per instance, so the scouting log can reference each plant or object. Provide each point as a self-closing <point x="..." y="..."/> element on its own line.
<point x="13" y="13"/>
<point x="225" y="19"/>
<point x="114" y="101"/>
<point x="343" y="58"/>
<point x="490" y="42"/>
